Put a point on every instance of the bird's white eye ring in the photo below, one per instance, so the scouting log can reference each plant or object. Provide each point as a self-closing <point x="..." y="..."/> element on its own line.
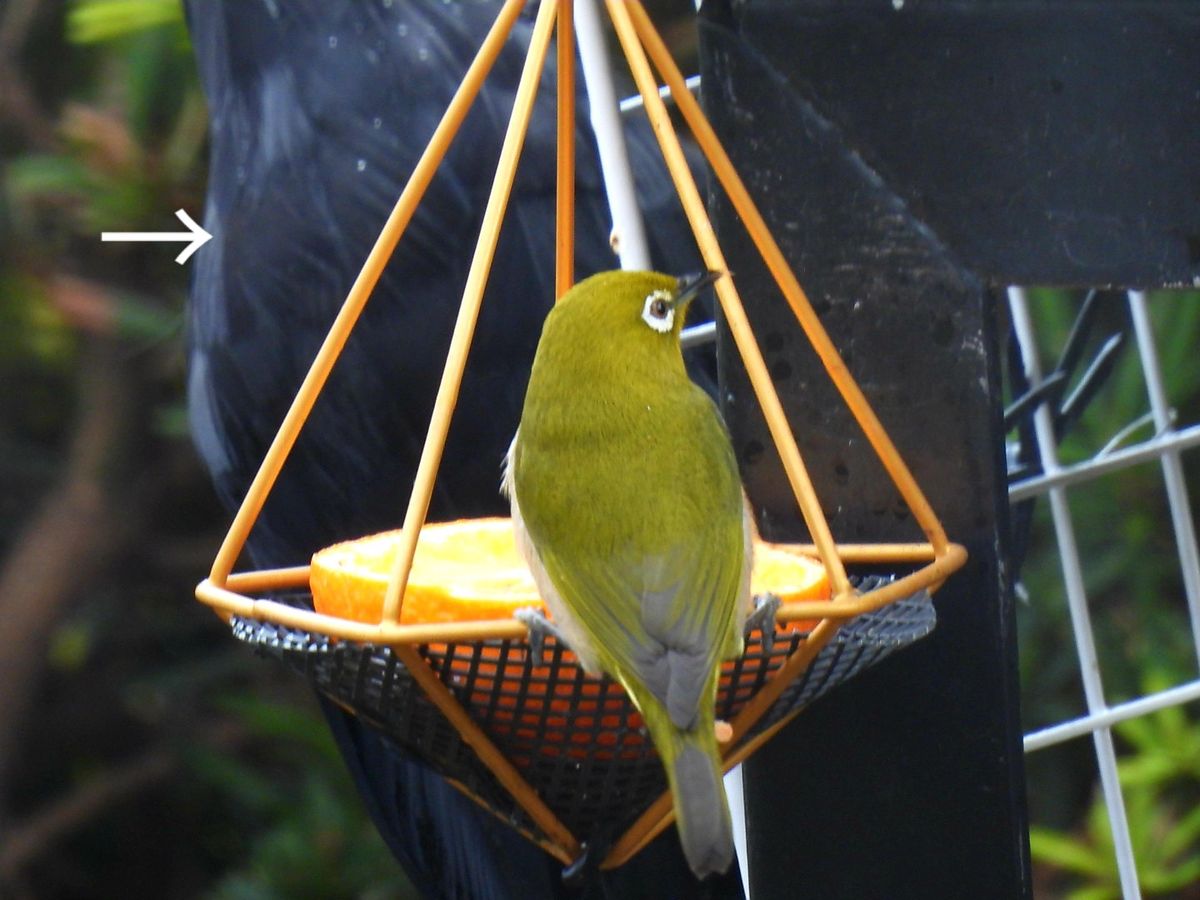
<point x="658" y="312"/>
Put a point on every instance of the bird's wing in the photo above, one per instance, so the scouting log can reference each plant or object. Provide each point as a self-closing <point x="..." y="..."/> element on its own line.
<point x="663" y="619"/>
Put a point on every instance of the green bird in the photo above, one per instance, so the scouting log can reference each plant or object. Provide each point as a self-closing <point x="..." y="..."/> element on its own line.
<point x="628" y="507"/>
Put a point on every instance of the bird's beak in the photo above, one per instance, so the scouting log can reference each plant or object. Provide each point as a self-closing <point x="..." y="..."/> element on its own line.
<point x="690" y="285"/>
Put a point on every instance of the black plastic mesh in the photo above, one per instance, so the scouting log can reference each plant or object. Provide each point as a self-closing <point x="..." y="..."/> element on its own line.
<point x="578" y="741"/>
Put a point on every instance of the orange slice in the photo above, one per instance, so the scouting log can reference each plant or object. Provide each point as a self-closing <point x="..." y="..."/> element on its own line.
<point x="466" y="570"/>
<point x="791" y="575"/>
<point x="470" y="570"/>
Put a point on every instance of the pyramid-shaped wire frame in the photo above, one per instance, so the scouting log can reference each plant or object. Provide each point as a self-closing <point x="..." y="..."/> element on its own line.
<point x="232" y="594"/>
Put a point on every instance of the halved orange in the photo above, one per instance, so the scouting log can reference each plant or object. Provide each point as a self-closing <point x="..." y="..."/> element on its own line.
<point x="470" y="570"/>
<point x="466" y="570"/>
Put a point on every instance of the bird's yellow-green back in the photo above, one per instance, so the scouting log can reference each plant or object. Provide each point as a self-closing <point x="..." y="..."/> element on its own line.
<point x="628" y="489"/>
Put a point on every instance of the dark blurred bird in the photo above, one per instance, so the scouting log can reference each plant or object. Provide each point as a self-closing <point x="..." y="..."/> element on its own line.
<point x="319" y="111"/>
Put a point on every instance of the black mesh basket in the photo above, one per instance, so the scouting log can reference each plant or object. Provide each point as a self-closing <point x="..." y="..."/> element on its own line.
<point x="578" y="741"/>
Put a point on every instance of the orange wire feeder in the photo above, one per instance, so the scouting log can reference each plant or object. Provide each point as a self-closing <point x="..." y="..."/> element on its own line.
<point x="560" y="756"/>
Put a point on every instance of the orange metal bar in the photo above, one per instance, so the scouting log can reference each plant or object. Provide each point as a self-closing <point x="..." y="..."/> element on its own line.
<point x="231" y="599"/>
<point x="934" y="573"/>
<point x="564" y="229"/>
<point x="464" y="326"/>
<point x="550" y="847"/>
<point x="731" y="305"/>
<point x="261" y="580"/>
<point x="649" y="825"/>
<point x="264" y="580"/>
<point x="505" y="772"/>
<point x="229" y="602"/>
<point x="659" y="814"/>
<point x="331" y="348"/>
<point x="781" y="271"/>
<point x="757" y="705"/>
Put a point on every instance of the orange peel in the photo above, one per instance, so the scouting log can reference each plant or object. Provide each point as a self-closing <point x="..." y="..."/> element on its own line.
<point x="470" y="570"/>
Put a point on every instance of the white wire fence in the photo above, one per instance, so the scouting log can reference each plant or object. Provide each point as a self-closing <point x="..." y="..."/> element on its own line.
<point x="1119" y="468"/>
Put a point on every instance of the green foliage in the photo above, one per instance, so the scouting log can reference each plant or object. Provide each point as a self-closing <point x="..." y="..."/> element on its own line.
<point x="94" y="21"/>
<point x="318" y="848"/>
<point x="261" y="804"/>
<point x="1160" y="782"/>
<point x="132" y="139"/>
<point x="1136" y="599"/>
<point x="311" y="840"/>
<point x="1166" y="746"/>
<point x="32" y="334"/>
<point x="1122" y="524"/>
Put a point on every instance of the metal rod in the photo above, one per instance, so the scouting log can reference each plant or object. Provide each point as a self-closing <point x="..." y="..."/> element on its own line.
<point x="564" y="221"/>
<point x="1172" y="465"/>
<point x="264" y="580"/>
<point x="360" y="292"/>
<point x="791" y="288"/>
<point x="549" y="846"/>
<point x="756" y="227"/>
<point x="1085" y="644"/>
<point x="635" y="102"/>
<point x="490" y="755"/>
<point x="698" y="335"/>
<point x="629" y="233"/>
<point x="230" y="602"/>
<point x="1102" y="465"/>
<point x="1065" y="731"/>
<point x="735" y="315"/>
<point x="232" y="599"/>
<point x="735" y="794"/>
<point x="464" y="326"/>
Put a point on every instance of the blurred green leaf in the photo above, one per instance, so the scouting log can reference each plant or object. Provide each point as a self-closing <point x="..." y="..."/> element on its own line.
<point x="284" y="723"/>
<point x="94" y="21"/>
<point x="35" y="176"/>
<point x="31" y="331"/>
<point x="1165" y="846"/>
<point x="171" y="421"/>
<point x="1066" y="852"/>
<point x="1095" y="892"/>
<point x="1183" y="836"/>
<point x="230" y="776"/>
<point x="139" y="319"/>
<point x="70" y="646"/>
<point x="319" y="849"/>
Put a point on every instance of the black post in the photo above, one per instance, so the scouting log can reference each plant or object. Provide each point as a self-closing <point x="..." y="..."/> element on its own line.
<point x="912" y="160"/>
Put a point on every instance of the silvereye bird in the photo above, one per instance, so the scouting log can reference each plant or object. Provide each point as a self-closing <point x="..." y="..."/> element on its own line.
<point x="628" y="507"/>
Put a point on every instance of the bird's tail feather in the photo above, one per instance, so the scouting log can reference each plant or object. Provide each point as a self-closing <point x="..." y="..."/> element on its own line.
<point x="698" y="792"/>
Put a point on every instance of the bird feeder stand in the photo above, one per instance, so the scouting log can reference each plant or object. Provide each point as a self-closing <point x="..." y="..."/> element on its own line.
<point x="244" y="597"/>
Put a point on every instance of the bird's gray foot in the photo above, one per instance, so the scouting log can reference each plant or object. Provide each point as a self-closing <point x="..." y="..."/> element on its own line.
<point x="766" y="606"/>
<point x="539" y="626"/>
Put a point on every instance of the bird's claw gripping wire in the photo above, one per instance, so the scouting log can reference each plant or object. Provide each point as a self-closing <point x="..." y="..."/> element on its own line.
<point x="539" y="627"/>
<point x="766" y="607"/>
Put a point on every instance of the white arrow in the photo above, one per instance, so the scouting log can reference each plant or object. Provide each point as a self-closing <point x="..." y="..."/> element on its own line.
<point x="195" y="235"/>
